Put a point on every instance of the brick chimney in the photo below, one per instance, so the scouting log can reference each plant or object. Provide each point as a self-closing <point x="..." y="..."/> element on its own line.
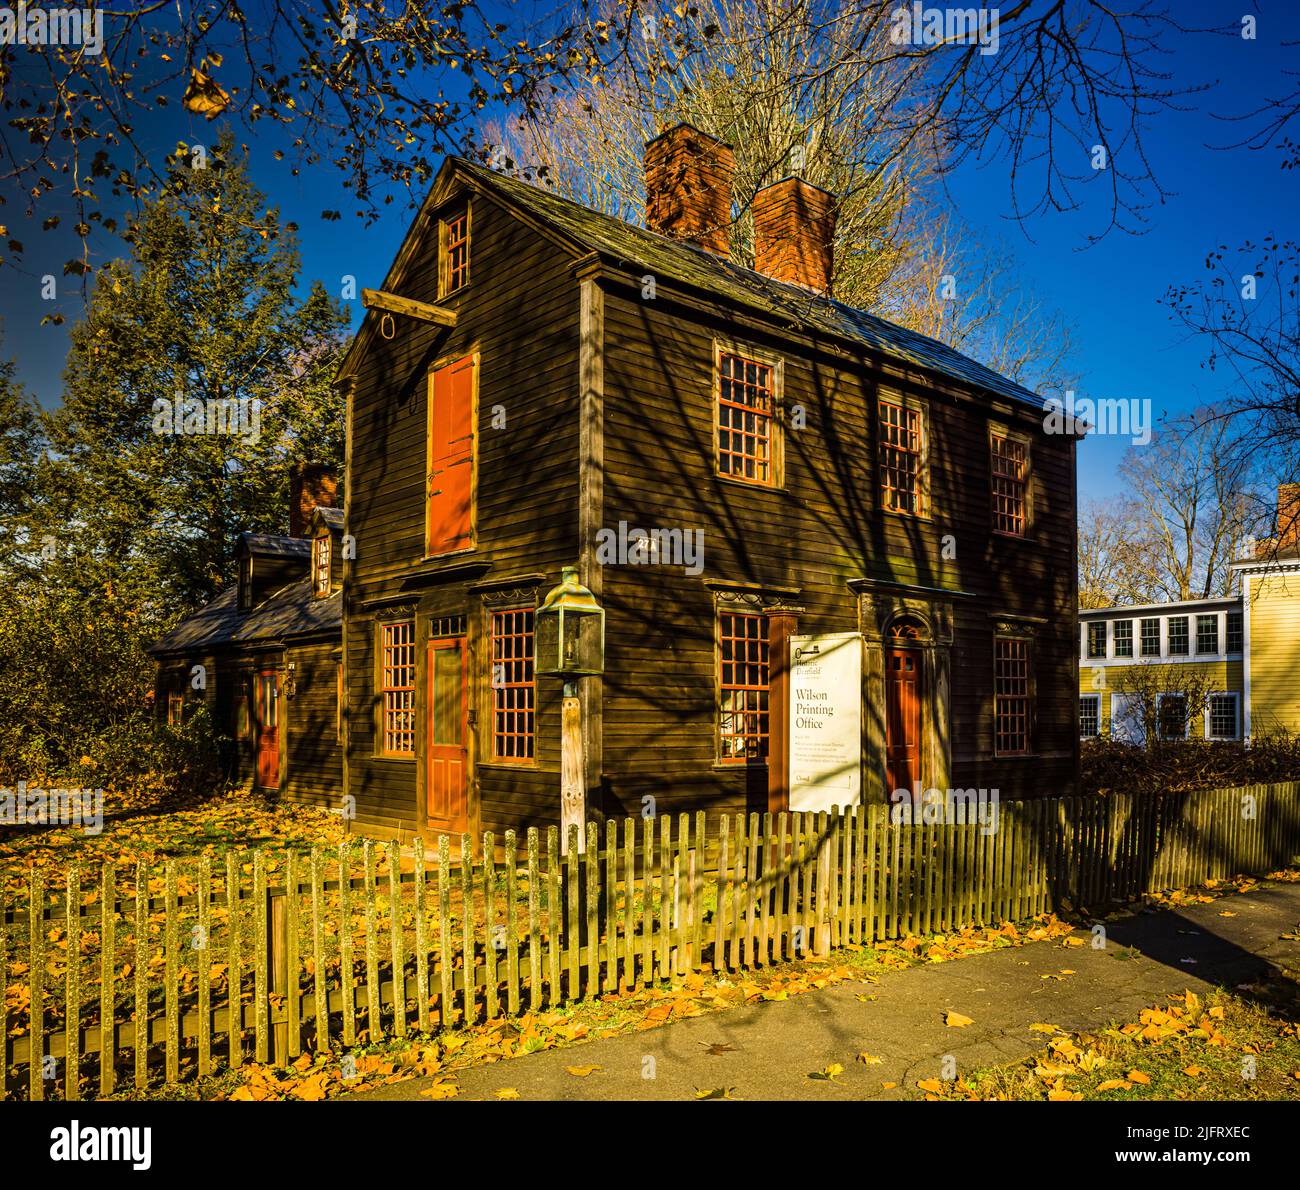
<point x="1288" y="517"/>
<point x="794" y="233"/>
<point x="688" y="188"/>
<point x="311" y="485"/>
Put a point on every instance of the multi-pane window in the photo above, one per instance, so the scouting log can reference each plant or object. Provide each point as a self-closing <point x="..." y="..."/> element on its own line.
<point x="1010" y="695"/>
<point x="321" y="566"/>
<point x="1097" y="638"/>
<point x="397" y="686"/>
<point x="900" y="458"/>
<point x="1171" y="716"/>
<point x="513" y="689"/>
<point x="746" y="400"/>
<point x="1089" y="716"/>
<point x="1178" y="636"/>
<point x="1233" y="633"/>
<point x="1122" y="634"/>
<point x="1207" y="634"/>
<point x="245" y="583"/>
<point x="1150" y="638"/>
<point x="455" y="251"/>
<point x="1010" y="466"/>
<point x="742" y="686"/>
<point x="175" y="708"/>
<point x="1221" y="711"/>
<point x="243" y="724"/>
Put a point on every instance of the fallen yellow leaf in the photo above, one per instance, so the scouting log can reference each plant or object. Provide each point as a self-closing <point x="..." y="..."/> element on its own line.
<point x="957" y="1021"/>
<point x="441" y="1090"/>
<point x="582" y="1071"/>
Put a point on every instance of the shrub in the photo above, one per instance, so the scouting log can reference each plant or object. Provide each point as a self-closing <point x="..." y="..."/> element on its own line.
<point x="1107" y="766"/>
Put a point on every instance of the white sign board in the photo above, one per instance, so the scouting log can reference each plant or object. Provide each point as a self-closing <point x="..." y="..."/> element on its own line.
<point x="825" y="721"/>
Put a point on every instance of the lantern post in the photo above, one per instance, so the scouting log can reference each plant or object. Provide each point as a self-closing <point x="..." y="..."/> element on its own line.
<point x="569" y="644"/>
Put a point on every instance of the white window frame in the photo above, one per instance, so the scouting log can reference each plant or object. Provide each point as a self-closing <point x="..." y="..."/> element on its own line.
<point x="1096" y="697"/>
<point x="1127" y="720"/>
<point x="1187" y="718"/>
<point x="1236" y="703"/>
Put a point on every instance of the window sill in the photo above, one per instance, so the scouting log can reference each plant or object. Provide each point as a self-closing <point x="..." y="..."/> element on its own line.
<point x="750" y="485"/>
<point x="923" y="517"/>
<point x="738" y="766"/>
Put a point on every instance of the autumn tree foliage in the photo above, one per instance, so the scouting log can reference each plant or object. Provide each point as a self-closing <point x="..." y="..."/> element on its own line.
<point x="132" y="495"/>
<point x="204" y="316"/>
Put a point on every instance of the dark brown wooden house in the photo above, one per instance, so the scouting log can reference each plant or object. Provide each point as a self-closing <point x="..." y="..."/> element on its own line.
<point x="538" y="381"/>
<point x="265" y="656"/>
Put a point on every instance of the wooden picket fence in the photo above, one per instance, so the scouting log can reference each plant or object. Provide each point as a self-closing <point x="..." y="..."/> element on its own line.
<point x="182" y="969"/>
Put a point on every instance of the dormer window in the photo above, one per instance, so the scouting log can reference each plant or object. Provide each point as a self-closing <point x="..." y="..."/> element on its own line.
<point x="245" y="584"/>
<point x="320" y="566"/>
<point x="453" y="254"/>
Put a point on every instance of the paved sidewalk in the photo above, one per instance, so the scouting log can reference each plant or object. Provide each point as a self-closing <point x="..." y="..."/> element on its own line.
<point x="777" y="1045"/>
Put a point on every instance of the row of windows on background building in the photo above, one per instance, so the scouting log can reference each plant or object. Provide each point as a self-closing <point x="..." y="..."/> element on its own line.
<point x="1222" y="717"/>
<point x="1175" y="640"/>
<point x="748" y="447"/>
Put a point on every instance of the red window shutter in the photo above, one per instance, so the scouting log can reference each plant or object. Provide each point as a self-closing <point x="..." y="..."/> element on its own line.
<point x="451" y="457"/>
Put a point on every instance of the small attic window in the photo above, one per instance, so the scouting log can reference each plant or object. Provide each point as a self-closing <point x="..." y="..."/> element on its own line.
<point x="245" y="583"/>
<point x="320" y="566"/>
<point x="453" y="251"/>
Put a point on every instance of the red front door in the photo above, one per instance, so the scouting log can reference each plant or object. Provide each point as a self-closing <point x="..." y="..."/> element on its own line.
<point x="268" y="729"/>
<point x="451" y="457"/>
<point x="902" y="719"/>
<point x="445" y="783"/>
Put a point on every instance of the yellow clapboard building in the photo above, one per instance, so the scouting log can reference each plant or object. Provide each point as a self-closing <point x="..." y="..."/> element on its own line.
<point x="1214" y="669"/>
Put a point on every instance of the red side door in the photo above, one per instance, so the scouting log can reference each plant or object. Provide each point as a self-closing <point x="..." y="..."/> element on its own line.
<point x="451" y="457"/>
<point x="268" y="729"/>
<point x="447" y="805"/>
<point x="902" y="719"/>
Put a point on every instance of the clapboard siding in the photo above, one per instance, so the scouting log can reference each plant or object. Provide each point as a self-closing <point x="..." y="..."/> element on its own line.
<point x="313" y="757"/>
<point x="817" y="534"/>
<point x="1274" y="611"/>
<point x="520" y="314"/>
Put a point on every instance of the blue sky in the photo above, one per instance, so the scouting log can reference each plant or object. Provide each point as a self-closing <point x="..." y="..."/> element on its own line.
<point x="1126" y="345"/>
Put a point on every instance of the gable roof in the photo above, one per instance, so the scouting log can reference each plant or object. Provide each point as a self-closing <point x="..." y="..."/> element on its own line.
<point x="291" y="611"/>
<point x="624" y="243"/>
<point x="626" y="246"/>
<point x="332" y="517"/>
<point x="270" y="545"/>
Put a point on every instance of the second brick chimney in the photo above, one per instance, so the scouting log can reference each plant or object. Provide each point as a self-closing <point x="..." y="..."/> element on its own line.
<point x="311" y="485"/>
<point x="794" y="233"/>
<point x="688" y="188"/>
<point x="1288" y="517"/>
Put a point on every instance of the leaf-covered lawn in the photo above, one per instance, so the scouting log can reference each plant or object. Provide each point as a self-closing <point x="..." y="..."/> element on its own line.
<point x="1242" y="1044"/>
<point x="143" y="829"/>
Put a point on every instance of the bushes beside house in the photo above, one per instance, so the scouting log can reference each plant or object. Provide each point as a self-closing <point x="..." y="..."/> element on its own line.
<point x="1107" y="766"/>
